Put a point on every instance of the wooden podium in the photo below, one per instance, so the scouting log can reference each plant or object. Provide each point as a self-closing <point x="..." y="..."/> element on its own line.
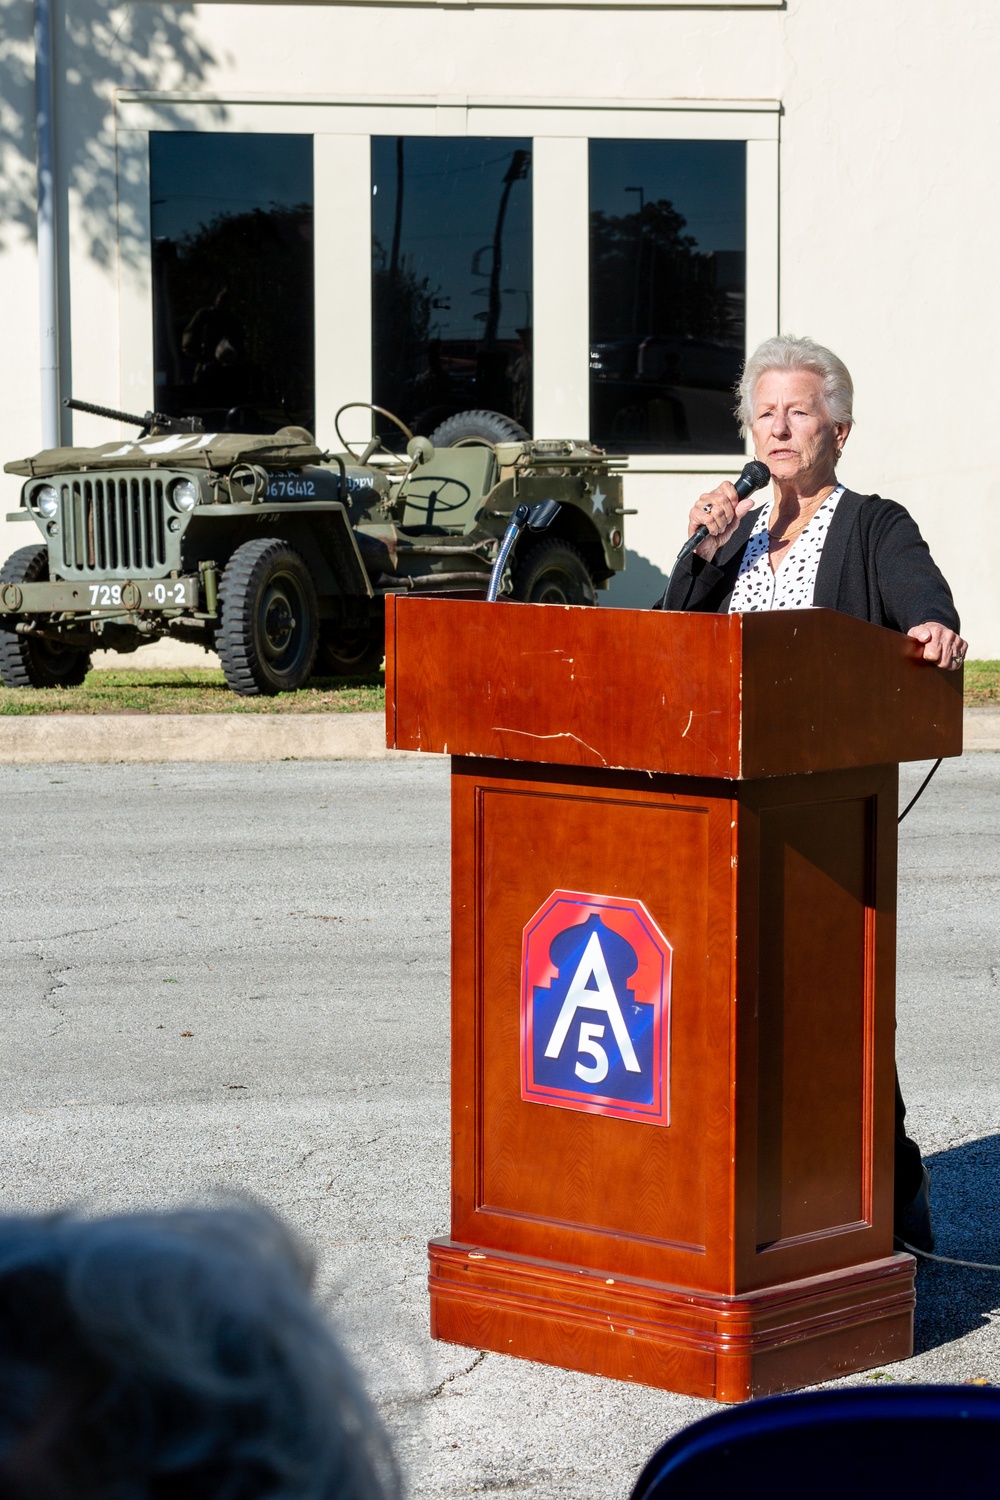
<point x="715" y="798"/>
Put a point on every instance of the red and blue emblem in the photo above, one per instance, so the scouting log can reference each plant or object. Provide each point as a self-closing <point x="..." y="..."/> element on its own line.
<point x="595" y="1008"/>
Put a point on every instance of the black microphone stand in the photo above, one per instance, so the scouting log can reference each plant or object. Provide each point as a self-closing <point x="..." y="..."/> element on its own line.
<point x="536" y="518"/>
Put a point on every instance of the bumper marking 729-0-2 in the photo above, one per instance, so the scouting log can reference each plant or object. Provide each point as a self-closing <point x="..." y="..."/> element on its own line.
<point x="90" y="598"/>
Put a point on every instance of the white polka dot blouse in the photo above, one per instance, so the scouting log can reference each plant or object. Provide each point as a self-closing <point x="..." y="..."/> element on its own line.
<point x="793" y="585"/>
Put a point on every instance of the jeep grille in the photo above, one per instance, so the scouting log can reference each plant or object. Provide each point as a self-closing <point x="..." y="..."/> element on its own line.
<point x="111" y="525"/>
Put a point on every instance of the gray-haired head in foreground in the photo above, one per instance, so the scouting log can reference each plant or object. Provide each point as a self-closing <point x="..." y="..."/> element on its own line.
<point x="175" y="1356"/>
<point x="789" y="353"/>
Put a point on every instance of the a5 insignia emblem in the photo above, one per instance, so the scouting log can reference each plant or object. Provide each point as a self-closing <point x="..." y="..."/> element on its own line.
<point x="595" y="1008"/>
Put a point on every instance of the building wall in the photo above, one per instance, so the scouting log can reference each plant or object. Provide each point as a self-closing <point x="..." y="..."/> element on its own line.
<point x="885" y="235"/>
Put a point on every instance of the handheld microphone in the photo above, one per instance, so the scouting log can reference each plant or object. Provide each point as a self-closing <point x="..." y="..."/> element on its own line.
<point x="754" y="477"/>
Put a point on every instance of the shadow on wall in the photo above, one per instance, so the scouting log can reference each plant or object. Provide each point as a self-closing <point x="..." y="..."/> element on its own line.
<point x="98" y="49"/>
<point x="638" y="587"/>
<point x="954" y="1300"/>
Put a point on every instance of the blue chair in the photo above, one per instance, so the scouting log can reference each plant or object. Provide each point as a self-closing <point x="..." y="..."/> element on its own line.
<point x="860" y="1443"/>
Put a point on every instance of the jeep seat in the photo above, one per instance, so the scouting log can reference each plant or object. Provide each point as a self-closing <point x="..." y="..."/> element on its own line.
<point x="448" y="491"/>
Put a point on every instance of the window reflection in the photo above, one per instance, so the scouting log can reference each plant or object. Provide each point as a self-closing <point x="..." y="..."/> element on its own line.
<point x="232" y="225"/>
<point x="667" y="294"/>
<point x="451" y="277"/>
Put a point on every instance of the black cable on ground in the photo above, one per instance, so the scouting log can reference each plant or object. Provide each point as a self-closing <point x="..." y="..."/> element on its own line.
<point x="943" y="1260"/>
<point x="947" y="1260"/>
<point x="920" y="789"/>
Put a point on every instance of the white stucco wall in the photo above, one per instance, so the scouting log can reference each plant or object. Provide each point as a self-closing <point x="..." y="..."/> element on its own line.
<point x="889" y="148"/>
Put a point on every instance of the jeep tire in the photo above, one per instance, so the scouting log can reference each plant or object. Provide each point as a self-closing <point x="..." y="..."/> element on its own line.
<point x="28" y="661"/>
<point x="553" y="572"/>
<point x="489" y="426"/>
<point x="349" y="653"/>
<point x="268" y="619"/>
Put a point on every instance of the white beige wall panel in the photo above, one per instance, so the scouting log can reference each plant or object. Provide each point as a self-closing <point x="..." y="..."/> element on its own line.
<point x="890" y="159"/>
<point x="302" y="51"/>
<point x="20" y="418"/>
<point x="92" y="359"/>
<point x="20" y="421"/>
<point x="561" y="287"/>
<point x="342" y="174"/>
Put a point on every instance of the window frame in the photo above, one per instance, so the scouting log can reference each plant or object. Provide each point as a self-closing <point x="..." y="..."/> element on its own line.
<point x="342" y="129"/>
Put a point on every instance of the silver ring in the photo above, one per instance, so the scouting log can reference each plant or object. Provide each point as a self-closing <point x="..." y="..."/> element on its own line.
<point x="707" y="508"/>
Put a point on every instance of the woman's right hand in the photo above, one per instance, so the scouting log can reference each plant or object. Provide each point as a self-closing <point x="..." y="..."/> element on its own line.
<point x="721" y="510"/>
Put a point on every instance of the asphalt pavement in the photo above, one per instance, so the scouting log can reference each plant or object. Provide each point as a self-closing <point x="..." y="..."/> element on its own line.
<point x="235" y="977"/>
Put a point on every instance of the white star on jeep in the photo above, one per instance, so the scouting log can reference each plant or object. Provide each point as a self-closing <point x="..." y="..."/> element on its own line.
<point x="599" y="496"/>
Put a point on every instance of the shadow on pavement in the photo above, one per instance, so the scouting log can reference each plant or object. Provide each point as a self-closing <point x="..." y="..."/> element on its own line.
<point x="965" y="1198"/>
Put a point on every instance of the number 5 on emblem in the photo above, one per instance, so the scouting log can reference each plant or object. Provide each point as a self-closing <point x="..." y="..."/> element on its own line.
<point x="599" y="1071"/>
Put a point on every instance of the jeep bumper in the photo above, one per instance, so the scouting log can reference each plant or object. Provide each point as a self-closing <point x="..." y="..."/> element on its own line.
<point x="100" y="598"/>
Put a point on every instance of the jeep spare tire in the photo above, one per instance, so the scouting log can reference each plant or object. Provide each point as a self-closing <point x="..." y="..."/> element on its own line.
<point x="268" y="619"/>
<point x="489" y="426"/>
<point x="30" y="661"/>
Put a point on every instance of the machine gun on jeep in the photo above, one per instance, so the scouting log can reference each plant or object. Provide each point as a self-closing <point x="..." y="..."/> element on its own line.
<point x="277" y="554"/>
<point x="152" y="421"/>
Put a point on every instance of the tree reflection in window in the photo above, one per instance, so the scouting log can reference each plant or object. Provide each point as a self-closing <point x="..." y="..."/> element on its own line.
<point x="667" y="294"/>
<point x="232" y="225"/>
<point x="451" y="277"/>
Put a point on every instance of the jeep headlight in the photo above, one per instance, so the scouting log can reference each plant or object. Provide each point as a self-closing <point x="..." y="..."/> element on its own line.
<point x="184" y="494"/>
<point x="46" y="500"/>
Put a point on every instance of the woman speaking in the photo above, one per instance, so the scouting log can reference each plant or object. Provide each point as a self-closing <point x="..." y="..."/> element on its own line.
<point x="815" y="543"/>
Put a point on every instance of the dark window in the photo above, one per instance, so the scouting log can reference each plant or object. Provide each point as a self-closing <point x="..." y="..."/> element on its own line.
<point x="667" y="294"/>
<point x="232" y="225"/>
<point x="451" y="274"/>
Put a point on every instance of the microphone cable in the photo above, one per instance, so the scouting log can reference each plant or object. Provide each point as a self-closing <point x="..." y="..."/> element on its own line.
<point x="947" y="1260"/>
<point x="943" y="1260"/>
<point x="918" y="794"/>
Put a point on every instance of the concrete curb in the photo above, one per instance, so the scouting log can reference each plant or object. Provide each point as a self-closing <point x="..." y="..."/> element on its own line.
<point x="982" y="729"/>
<point x="95" y="738"/>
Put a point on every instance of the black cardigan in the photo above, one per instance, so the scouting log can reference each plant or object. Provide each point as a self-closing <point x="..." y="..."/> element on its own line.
<point x="875" y="565"/>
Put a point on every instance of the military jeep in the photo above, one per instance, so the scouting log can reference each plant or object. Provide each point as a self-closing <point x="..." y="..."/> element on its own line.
<point x="279" y="555"/>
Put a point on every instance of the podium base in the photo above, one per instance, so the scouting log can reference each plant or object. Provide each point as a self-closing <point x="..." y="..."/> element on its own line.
<point x="726" y="1348"/>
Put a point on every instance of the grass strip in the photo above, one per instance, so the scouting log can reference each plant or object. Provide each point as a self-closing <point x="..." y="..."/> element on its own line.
<point x="982" y="682"/>
<point x="197" y="690"/>
<point x="200" y="690"/>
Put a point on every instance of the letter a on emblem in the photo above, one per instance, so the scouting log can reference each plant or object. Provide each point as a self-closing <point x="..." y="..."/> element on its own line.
<point x="593" y="965"/>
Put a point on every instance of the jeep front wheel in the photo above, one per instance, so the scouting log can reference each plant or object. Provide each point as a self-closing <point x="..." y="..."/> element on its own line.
<point x="553" y="572"/>
<point x="30" y="661"/>
<point x="268" y="619"/>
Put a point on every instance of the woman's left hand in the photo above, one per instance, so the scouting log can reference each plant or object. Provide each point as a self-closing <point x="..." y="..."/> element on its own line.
<point x="940" y="644"/>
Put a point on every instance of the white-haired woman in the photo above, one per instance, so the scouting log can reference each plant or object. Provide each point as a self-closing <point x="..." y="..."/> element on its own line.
<point x="814" y="542"/>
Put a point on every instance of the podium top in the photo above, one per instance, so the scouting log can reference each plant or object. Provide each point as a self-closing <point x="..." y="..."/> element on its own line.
<point x="729" y="696"/>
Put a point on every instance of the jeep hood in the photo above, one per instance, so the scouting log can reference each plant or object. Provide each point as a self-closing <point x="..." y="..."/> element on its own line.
<point x="184" y="450"/>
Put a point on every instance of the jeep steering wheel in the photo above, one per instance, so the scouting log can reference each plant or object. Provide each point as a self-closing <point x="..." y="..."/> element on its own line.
<point x="375" y="443"/>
